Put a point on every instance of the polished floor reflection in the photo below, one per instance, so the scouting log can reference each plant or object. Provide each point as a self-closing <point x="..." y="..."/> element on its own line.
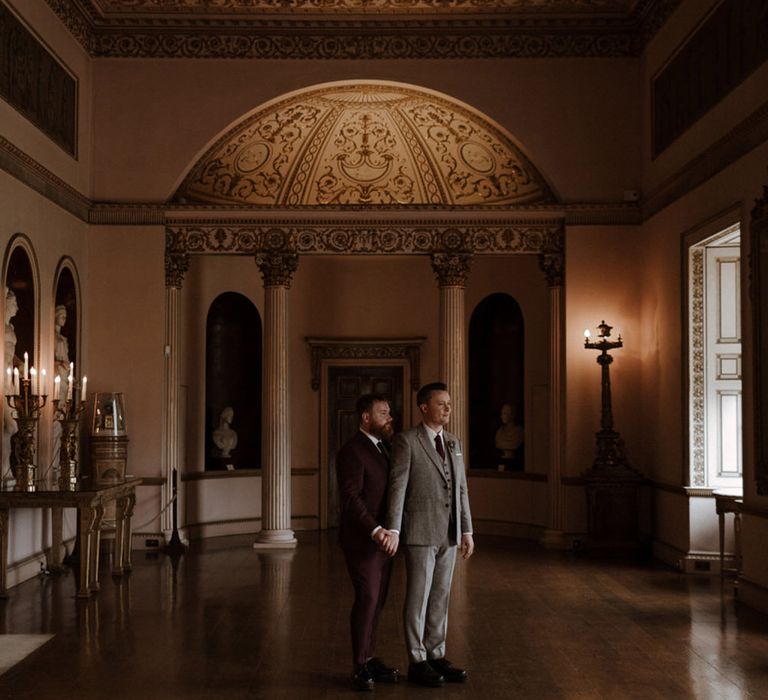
<point x="228" y="622"/>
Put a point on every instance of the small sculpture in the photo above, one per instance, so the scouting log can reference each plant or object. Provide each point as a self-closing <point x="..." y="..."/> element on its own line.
<point x="509" y="436"/>
<point x="61" y="349"/>
<point x="224" y="437"/>
<point x="9" y="424"/>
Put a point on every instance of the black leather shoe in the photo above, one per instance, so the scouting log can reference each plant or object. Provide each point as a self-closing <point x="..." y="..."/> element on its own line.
<point x="380" y="672"/>
<point x="423" y="674"/>
<point x="362" y="679"/>
<point x="448" y="671"/>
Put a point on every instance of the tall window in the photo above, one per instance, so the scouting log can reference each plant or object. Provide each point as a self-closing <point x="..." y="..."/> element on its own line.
<point x="233" y="384"/>
<point x="715" y="361"/>
<point x="496" y="385"/>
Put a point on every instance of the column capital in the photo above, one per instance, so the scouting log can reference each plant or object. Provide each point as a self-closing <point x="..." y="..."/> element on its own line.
<point x="451" y="269"/>
<point x="176" y="266"/>
<point x="552" y="265"/>
<point x="277" y="268"/>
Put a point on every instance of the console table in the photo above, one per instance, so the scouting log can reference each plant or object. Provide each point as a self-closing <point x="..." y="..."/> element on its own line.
<point x="90" y="504"/>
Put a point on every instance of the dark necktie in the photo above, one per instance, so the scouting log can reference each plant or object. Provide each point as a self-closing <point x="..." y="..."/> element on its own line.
<point x="383" y="449"/>
<point x="439" y="447"/>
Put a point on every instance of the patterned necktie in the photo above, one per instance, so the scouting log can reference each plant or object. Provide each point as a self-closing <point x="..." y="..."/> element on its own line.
<point x="439" y="447"/>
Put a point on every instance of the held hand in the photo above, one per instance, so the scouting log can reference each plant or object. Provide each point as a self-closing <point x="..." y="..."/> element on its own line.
<point x="393" y="540"/>
<point x="467" y="546"/>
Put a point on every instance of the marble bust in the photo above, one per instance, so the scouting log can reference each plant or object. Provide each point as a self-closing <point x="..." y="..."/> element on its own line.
<point x="224" y="437"/>
<point x="509" y="436"/>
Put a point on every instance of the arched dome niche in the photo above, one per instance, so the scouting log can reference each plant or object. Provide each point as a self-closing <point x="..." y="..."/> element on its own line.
<point x="364" y="143"/>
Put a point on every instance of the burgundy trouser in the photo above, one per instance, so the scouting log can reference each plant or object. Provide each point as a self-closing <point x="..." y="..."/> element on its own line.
<point x="369" y="570"/>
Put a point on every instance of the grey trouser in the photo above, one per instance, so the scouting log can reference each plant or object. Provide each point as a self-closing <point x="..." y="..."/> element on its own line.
<point x="430" y="571"/>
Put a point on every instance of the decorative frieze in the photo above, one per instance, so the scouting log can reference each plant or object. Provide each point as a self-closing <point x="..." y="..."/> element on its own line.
<point x="365" y="239"/>
<point x="350" y="29"/>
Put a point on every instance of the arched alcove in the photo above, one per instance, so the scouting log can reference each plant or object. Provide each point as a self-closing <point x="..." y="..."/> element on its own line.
<point x="496" y="379"/>
<point x="66" y="296"/>
<point x="364" y="143"/>
<point x="233" y="380"/>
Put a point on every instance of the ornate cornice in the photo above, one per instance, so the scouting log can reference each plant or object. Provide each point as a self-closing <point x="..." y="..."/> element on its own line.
<point x="38" y="178"/>
<point x="431" y="31"/>
<point x="392" y="239"/>
<point x="366" y="349"/>
<point x="277" y="268"/>
<point x="451" y="269"/>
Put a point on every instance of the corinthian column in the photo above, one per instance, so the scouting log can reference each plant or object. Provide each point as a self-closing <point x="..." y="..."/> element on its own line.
<point x="552" y="265"/>
<point x="176" y="265"/>
<point x="277" y="270"/>
<point x="452" y="270"/>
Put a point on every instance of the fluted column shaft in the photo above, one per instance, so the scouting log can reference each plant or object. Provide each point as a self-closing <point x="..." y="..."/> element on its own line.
<point x="552" y="265"/>
<point x="276" y="532"/>
<point x="452" y="271"/>
<point x="176" y="265"/>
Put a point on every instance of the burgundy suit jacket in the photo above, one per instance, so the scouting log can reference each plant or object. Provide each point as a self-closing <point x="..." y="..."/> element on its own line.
<point x="363" y="476"/>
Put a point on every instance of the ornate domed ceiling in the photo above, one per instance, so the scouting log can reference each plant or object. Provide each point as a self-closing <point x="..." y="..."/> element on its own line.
<point x="364" y="144"/>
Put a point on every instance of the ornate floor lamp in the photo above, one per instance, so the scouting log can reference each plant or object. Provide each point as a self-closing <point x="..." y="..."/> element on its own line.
<point x="612" y="486"/>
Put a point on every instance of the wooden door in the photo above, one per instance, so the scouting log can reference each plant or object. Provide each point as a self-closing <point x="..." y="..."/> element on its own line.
<point x="345" y="384"/>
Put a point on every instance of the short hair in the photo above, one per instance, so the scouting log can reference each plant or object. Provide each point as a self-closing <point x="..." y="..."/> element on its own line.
<point x="425" y="393"/>
<point x="365" y="403"/>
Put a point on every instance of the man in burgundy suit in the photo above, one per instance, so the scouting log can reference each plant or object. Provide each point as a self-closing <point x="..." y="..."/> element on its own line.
<point x="362" y="468"/>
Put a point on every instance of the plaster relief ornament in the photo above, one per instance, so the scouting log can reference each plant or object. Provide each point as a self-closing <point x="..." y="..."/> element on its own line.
<point x="364" y="144"/>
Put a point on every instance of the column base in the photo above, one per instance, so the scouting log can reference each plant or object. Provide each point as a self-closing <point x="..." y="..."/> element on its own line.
<point x="555" y="539"/>
<point x="275" y="539"/>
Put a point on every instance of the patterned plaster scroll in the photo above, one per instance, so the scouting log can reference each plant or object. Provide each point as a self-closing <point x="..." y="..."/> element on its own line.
<point x="365" y="144"/>
<point x="366" y="239"/>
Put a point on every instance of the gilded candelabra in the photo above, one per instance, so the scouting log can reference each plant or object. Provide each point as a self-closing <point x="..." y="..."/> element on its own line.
<point x="67" y="412"/>
<point x="610" y="447"/>
<point x="27" y="406"/>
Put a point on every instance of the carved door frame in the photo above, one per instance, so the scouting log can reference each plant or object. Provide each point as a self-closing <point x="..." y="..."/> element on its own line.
<point x="339" y="352"/>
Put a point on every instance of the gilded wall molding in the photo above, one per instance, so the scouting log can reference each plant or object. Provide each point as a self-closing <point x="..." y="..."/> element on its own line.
<point x="366" y="240"/>
<point x="387" y="30"/>
<point x="366" y="349"/>
<point x="697" y="370"/>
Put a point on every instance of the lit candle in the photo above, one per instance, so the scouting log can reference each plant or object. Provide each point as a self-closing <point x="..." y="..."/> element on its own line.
<point x="15" y="380"/>
<point x="56" y="387"/>
<point x="44" y="381"/>
<point x="26" y="365"/>
<point x="71" y="370"/>
<point x="69" y="388"/>
<point x="8" y="380"/>
<point x="33" y="377"/>
<point x="85" y="384"/>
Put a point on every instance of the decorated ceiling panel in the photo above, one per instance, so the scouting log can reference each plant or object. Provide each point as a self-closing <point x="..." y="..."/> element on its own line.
<point x="245" y="7"/>
<point x="364" y="144"/>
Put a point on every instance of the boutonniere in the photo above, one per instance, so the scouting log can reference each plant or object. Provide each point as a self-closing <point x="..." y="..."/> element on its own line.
<point x="451" y="444"/>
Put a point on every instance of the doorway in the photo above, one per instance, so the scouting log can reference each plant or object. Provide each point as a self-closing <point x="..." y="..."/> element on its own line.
<point x="715" y="361"/>
<point x="345" y="383"/>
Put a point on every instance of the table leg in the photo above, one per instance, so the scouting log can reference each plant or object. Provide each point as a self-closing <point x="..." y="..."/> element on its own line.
<point x="3" y="553"/>
<point x="120" y="510"/>
<point x="93" y="566"/>
<point x="57" y="530"/>
<point x="87" y="516"/>
<point x="721" y="528"/>
<point x="127" y="531"/>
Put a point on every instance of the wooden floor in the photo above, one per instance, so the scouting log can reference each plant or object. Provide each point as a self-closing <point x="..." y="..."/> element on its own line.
<point x="228" y="622"/>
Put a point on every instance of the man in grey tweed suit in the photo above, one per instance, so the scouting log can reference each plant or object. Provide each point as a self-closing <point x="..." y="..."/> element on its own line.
<point x="429" y="511"/>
